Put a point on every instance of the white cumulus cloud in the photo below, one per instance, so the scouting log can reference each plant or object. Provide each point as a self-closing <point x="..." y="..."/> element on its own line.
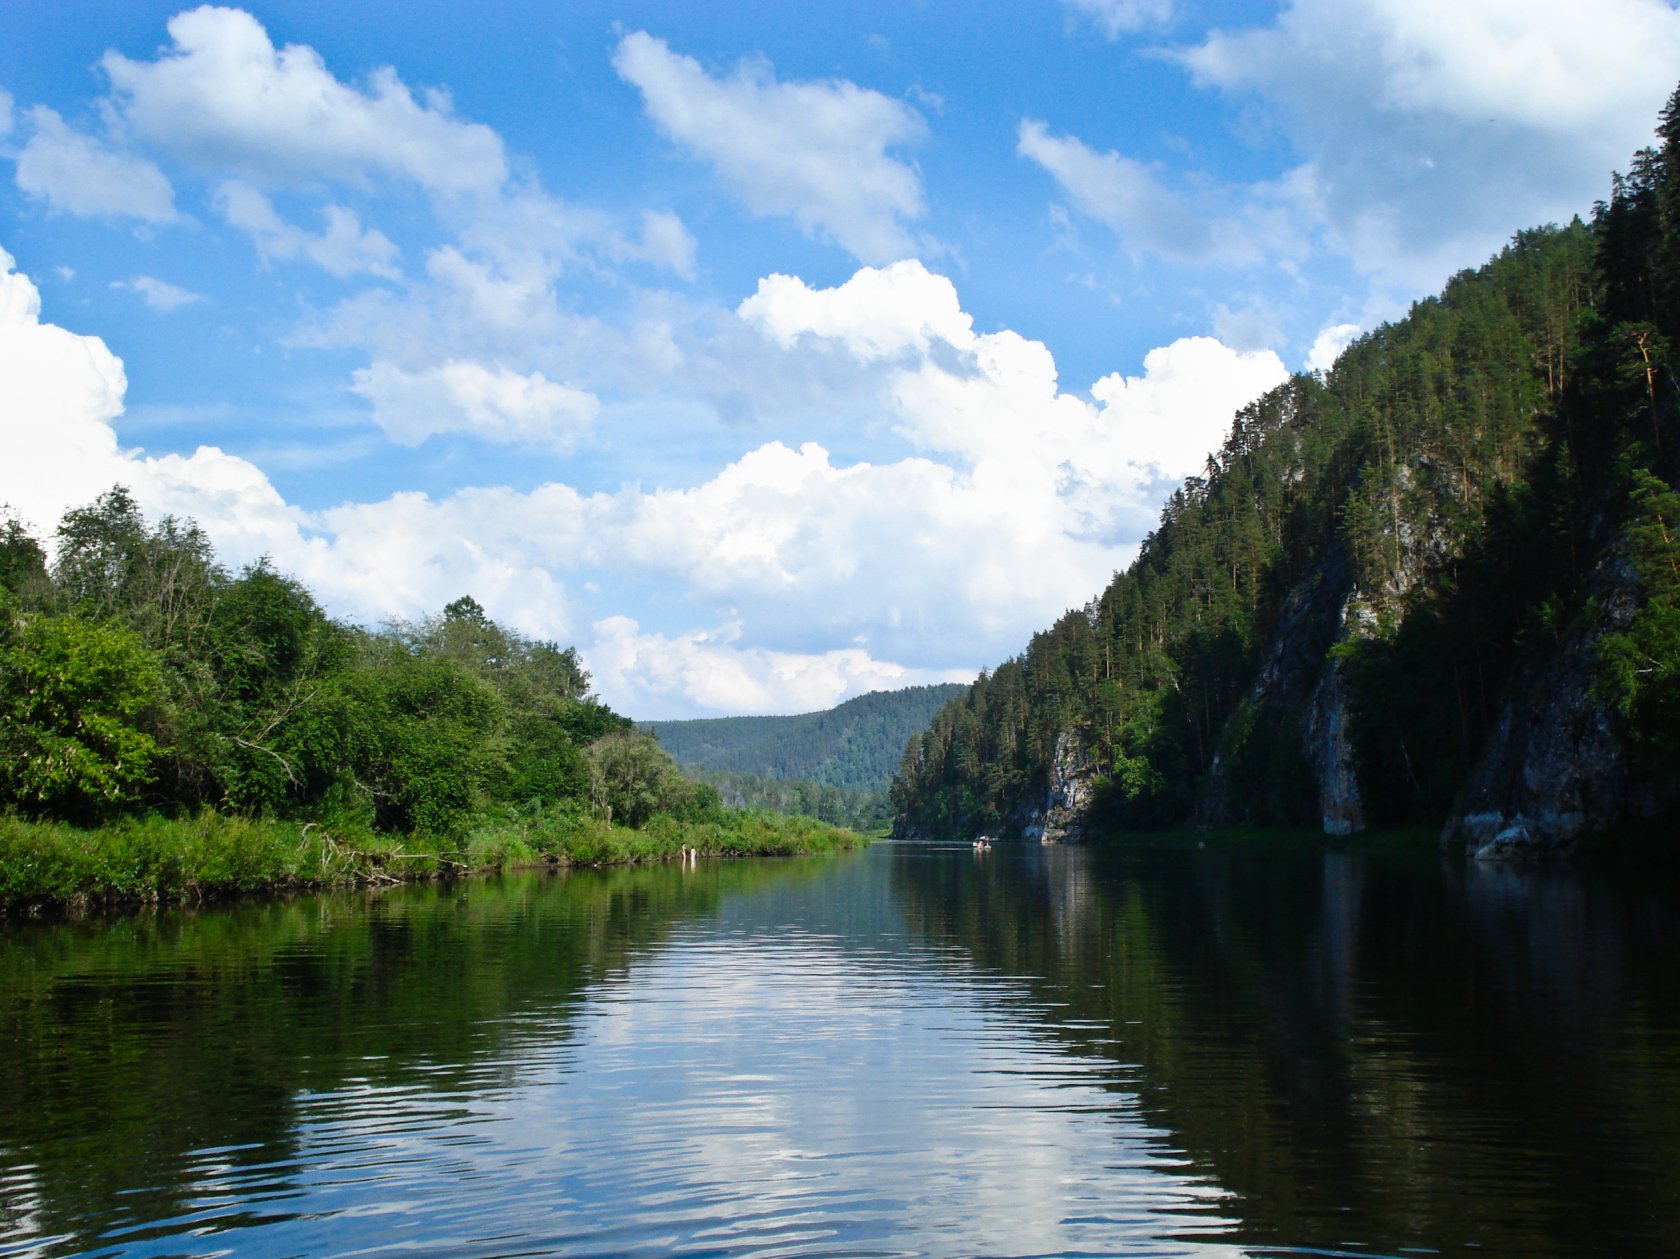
<point x="1180" y="409"/>
<point x="995" y="398"/>
<point x="224" y="98"/>
<point x="817" y="152"/>
<point x="80" y="175"/>
<point x="492" y="403"/>
<point x="710" y="671"/>
<point x="1027" y="496"/>
<point x="828" y="577"/>
<point x="58" y="394"/>
<point x="1328" y="345"/>
<point x="878" y="313"/>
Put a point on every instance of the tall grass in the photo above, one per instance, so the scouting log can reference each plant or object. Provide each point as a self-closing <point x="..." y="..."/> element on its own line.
<point x="581" y="839"/>
<point x="158" y="858"/>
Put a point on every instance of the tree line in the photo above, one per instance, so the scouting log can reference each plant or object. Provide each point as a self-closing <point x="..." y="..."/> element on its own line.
<point x="856" y="744"/>
<point x="138" y="675"/>
<point x="850" y="807"/>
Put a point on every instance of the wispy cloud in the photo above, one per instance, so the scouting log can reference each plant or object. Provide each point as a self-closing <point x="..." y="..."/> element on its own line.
<point x="1125" y="195"/>
<point x="1115" y="18"/>
<point x="342" y="248"/>
<point x="816" y="152"/>
<point x="159" y="294"/>
<point x="80" y="175"/>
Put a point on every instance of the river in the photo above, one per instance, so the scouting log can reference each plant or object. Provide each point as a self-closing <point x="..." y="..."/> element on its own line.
<point x="1161" y="1048"/>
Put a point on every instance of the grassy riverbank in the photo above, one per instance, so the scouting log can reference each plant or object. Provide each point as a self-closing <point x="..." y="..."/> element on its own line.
<point x="156" y="858"/>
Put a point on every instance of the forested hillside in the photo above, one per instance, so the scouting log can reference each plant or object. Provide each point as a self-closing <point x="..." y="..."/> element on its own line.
<point x="868" y="812"/>
<point x="853" y="745"/>
<point x="1384" y="577"/>
<point x="834" y="765"/>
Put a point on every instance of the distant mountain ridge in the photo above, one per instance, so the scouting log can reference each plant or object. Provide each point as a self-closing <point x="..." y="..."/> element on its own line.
<point x="856" y="745"/>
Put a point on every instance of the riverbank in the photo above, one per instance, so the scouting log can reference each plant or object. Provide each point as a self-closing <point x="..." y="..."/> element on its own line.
<point x="154" y="858"/>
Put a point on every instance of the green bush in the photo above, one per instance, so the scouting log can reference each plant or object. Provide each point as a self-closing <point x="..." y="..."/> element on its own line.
<point x="420" y="741"/>
<point x="73" y="697"/>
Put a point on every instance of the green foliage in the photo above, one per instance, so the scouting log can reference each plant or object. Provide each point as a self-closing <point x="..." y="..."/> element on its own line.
<point x="1639" y="669"/>
<point x="529" y="671"/>
<point x="544" y="762"/>
<point x="266" y="634"/>
<point x="270" y="736"/>
<point x="548" y="716"/>
<point x="847" y="807"/>
<point x="228" y="734"/>
<point x="151" y="857"/>
<point x="23" y="565"/>
<point x="1137" y="794"/>
<point x="160" y="581"/>
<point x="73" y="699"/>
<point x="420" y="739"/>
<point x="833" y="765"/>
<point x="632" y="780"/>
<point x="1267" y="769"/>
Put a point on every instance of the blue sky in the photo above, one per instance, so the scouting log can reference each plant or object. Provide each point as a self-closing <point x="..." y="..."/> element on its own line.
<point x="769" y="353"/>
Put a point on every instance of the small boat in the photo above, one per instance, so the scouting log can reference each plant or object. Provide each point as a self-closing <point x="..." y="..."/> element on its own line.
<point x="982" y="842"/>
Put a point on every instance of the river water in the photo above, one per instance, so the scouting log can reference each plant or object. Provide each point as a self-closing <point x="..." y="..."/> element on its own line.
<point x="1167" y="1048"/>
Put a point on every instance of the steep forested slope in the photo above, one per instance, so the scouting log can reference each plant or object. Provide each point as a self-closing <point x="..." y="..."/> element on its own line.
<point x="854" y="745"/>
<point x="1387" y="576"/>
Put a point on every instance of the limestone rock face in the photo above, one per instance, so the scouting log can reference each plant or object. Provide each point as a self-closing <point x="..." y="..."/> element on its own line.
<point x="1552" y="769"/>
<point x="1339" y="807"/>
<point x="1299" y="678"/>
<point x="1072" y="782"/>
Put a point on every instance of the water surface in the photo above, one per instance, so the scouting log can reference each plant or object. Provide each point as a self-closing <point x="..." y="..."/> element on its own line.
<point x="1160" y="1049"/>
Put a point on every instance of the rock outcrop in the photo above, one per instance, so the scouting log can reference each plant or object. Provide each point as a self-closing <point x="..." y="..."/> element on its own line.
<point x="1301" y="685"/>
<point x="1340" y="809"/>
<point x="1553" y="769"/>
<point x="1072" y="783"/>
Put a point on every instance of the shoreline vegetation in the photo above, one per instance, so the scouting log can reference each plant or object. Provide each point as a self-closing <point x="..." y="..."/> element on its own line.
<point x="171" y="730"/>
<point x="48" y="866"/>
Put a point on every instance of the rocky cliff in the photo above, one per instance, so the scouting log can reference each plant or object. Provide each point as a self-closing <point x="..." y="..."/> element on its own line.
<point x="1300" y="694"/>
<point x="1330" y="750"/>
<point x="1555" y="768"/>
<point x="1067" y="800"/>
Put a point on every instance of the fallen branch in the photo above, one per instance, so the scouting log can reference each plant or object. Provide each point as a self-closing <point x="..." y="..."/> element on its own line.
<point x="416" y="856"/>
